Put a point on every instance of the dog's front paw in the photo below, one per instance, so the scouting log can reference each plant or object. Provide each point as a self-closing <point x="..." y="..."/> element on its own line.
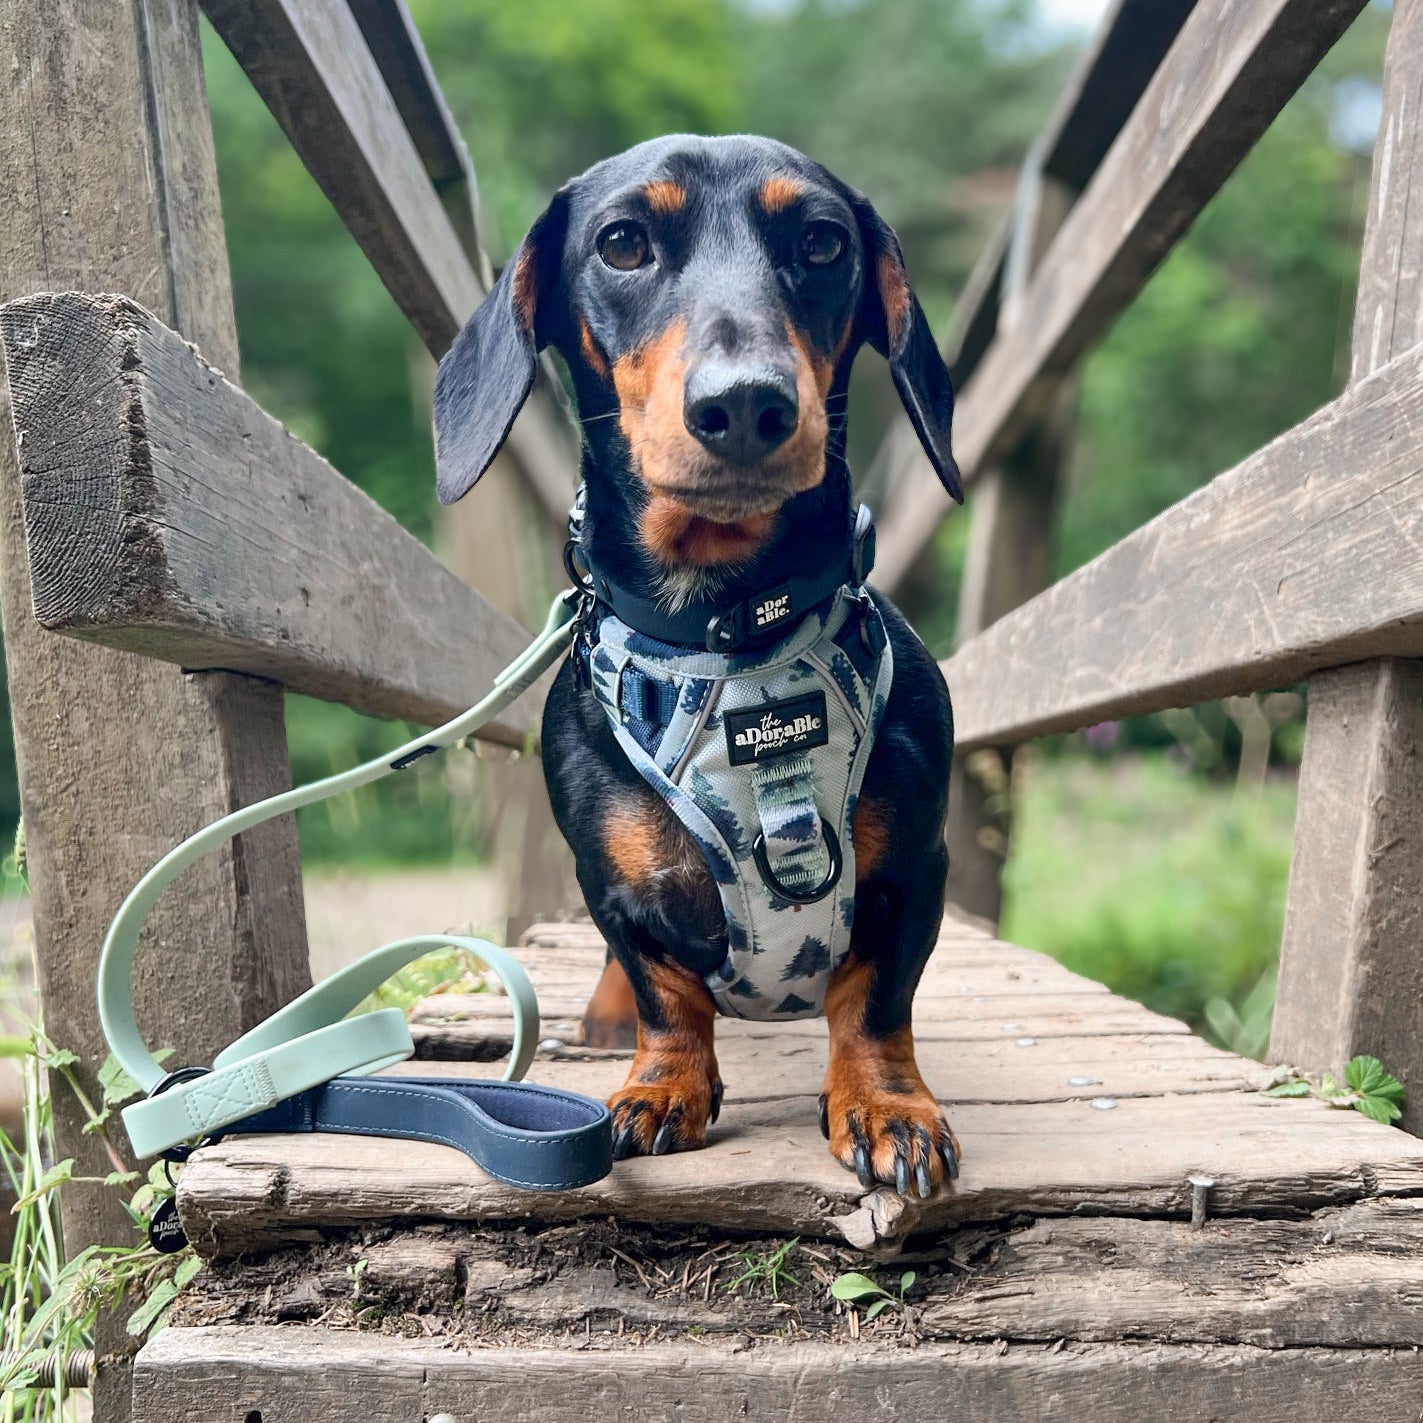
<point x="666" y="1111"/>
<point x="895" y="1138"/>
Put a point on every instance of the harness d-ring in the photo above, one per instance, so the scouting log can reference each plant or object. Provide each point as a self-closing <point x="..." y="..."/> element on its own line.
<point x="815" y="892"/>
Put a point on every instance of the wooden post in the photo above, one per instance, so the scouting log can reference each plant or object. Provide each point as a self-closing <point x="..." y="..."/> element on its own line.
<point x="106" y="165"/>
<point x="1351" y="970"/>
<point x="1009" y="561"/>
<point x="498" y="537"/>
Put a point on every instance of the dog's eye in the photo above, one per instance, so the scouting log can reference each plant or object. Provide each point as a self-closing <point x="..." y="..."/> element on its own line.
<point x="822" y="243"/>
<point x="624" y="247"/>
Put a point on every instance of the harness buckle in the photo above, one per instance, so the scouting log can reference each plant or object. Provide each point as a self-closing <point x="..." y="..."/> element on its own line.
<point x="862" y="551"/>
<point x="801" y="896"/>
<point x="724" y="631"/>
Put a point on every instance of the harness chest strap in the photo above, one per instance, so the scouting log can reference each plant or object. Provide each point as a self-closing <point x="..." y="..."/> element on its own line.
<point x="277" y="1077"/>
<point x="761" y="755"/>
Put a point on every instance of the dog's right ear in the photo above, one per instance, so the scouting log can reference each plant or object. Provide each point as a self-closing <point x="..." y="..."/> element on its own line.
<point x="486" y="375"/>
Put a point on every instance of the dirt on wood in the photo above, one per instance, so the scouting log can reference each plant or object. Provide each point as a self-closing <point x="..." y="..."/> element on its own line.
<point x="593" y="1284"/>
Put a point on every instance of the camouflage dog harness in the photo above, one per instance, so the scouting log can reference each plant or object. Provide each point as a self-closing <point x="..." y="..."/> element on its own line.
<point x="761" y="753"/>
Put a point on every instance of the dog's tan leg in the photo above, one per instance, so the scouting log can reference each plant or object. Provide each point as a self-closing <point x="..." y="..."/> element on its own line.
<point x="610" y="1020"/>
<point x="881" y="1119"/>
<point x="673" y="1091"/>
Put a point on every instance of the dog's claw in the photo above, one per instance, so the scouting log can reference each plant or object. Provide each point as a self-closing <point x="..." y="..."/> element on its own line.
<point x="950" y="1160"/>
<point x="825" y="1116"/>
<point x="717" y="1090"/>
<point x="863" y="1169"/>
<point x="666" y="1134"/>
<point x="921" y="1179"/>
<point x="901" y="1175"/>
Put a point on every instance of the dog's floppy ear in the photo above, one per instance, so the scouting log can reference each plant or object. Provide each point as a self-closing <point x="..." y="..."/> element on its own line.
<point x="486" y="375"/>
<point x="895" y="325"/>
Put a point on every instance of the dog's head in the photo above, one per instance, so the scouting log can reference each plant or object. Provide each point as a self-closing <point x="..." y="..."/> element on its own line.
<point x="709" y="296"/>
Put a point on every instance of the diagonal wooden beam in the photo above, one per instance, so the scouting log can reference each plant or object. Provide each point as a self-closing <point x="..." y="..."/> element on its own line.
<point x="1231" y="70"/>
<point x="310" y="62"/>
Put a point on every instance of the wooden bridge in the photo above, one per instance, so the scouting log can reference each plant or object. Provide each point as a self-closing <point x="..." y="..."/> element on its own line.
<point x="1137" y="1230"/>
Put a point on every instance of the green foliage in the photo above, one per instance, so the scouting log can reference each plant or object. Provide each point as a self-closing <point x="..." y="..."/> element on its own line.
<point x="765" y="1270"/>
<point x="855" y="1287"/>
<point x="449" y="970"/>
<point x="1367" y="1088"/>
<point x="1245" y="1028"/>
<point x="1164" y="886"/>
<point x="48" y="1306"/>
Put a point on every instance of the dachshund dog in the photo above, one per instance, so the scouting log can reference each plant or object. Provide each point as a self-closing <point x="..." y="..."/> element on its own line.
<point x="709" y="296"/>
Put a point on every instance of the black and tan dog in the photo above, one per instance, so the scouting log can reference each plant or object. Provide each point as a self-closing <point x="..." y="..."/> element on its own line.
<point x="709" y="297"/>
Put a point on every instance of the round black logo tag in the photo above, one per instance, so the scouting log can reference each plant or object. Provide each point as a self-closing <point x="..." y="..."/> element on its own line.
<point x="165" y="1230"/>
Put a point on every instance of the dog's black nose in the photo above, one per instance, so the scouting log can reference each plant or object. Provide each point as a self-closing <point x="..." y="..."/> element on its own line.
<point x="738" y="414"/>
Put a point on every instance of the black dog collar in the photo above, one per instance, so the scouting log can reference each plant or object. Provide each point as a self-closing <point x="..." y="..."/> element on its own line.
<point x="718" y="628"/>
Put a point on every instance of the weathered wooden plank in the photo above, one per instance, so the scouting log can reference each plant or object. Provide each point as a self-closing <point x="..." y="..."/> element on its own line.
<point x="767" y="1169"/>
<point x="167" y="514"/>
<point x="1351" y="976"/>
<point x="1249" y="583"/>
<point x="287" y="1374"/>
<point x="399" y="53"/>
<point x="1047" y="1070"/>
<point x="1230" y="71"/>
<point x="106" y="164"/>
<point x="310" y="63"/>
<point x="1345" y="1278"/>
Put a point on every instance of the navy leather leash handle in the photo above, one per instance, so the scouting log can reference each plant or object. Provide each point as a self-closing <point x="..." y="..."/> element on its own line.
<point x="535" y="1137"/>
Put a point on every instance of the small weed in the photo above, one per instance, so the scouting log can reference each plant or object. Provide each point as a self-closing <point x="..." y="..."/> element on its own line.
<point x="765" y="1268"/>
<point x="852" y="1287"/>
<point x="1367" y="1088"/>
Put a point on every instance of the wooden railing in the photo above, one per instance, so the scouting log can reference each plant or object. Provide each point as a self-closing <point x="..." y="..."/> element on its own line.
<point x="1301" y="563"/>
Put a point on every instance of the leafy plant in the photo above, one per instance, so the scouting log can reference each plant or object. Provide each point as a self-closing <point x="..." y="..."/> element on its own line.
<point x="49" y="1306"/>
<point x="765" y="1268"/>
<point x="854" y="1287"/>
<point x="1367" y="1088"/>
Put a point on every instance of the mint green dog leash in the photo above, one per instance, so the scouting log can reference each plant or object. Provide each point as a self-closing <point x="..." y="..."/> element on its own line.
<point x="539" y="1138"/>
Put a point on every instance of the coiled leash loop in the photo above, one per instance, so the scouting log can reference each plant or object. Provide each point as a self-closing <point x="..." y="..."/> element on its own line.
<point x="278" y="1076"/>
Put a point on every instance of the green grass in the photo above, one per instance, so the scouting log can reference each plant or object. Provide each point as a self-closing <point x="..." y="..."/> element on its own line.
<point x="1167" y="887"/>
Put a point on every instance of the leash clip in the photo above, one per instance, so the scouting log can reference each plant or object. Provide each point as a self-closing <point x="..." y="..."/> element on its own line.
<point x="801" y="896"/>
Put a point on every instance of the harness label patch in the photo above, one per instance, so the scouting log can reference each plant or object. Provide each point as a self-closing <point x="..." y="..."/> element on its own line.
<point x="772" y="609"/>
<point x="776" y="729"/>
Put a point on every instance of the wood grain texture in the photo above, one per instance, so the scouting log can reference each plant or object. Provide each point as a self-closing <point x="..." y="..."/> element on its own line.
<point x="167" y="514"/>
<point x="1351" y="977"/>
<point x="981" y="1071"/>
<point x="1345" y="1278"/>
<point x="1253" y="581"/>
<point x="106" y="164"/>
<point x="291" y="1375"/>
<point x="1230" y="71"/>
<point x="314" y="70"/>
